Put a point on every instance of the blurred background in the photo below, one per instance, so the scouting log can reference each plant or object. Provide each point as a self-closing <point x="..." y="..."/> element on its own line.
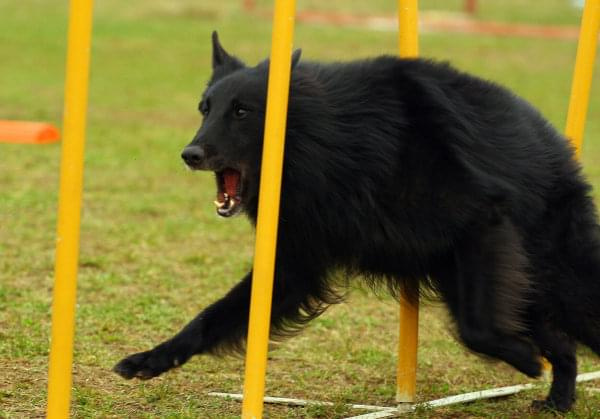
<point x="153" y="252"/>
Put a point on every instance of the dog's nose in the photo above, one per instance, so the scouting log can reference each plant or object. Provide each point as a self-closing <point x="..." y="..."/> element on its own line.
<point x="192" y="155"/>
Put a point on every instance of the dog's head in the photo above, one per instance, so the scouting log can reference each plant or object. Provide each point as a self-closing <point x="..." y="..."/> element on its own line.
<point x="229" y="141"/>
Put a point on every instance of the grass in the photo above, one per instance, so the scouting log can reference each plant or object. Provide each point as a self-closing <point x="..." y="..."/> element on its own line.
<point x="152" y="251"/>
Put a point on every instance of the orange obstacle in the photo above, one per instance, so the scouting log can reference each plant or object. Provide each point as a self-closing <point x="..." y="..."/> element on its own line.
<point x="28" y="132"/>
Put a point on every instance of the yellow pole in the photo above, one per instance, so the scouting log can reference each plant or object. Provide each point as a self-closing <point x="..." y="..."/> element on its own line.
<point x="69" y="209"/>
<point x="582" y="74"/>
<point x="268" y="208"/>
<point x="408" y="37"/>
<point x="408" y="33"/>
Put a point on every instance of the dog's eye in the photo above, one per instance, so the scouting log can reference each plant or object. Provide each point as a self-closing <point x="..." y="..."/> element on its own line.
<point x="239" y="111"/>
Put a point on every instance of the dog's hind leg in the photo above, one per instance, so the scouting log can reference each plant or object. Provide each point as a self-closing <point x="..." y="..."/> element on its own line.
<point x="576" y="287"/>
<point x="223" y="325"/>
<point x="488" y="294"/>
<point x="559" y="349"/>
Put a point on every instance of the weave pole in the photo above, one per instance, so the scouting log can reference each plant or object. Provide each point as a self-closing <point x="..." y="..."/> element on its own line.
<point x="408" y="41"/>
<point x="582" y="74"/>
<point x="268" y="208"/>
<point x="69" y="209"/>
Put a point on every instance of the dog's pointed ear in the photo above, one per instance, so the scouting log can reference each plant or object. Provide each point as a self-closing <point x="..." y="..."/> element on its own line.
<point x="222" y="62"/>
<point x="219" y="55"/>
<point x="296" y="57"/>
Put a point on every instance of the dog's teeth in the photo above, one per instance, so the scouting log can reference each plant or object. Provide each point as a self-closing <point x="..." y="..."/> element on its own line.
<point x="219" y="204"/>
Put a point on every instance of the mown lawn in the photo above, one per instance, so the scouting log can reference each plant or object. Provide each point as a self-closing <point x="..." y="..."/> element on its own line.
<point x="153" y="253"/>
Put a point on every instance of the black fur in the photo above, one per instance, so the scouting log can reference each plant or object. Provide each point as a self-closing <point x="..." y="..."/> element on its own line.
<point x="414" y="175"/>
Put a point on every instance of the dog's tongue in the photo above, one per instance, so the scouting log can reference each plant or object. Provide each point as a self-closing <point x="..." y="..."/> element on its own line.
<point x="231" y="180"/>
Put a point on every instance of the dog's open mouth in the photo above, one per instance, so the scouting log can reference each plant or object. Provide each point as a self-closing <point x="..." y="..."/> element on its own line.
<point x="229" y="192"/>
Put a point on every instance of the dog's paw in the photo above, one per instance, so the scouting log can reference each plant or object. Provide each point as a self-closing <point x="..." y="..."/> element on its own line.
<point x="144" y="365"/>
<point x="550" y="405"/>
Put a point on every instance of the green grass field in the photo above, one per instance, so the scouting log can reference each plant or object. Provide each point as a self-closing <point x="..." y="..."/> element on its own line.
<point x="153" y="252"/>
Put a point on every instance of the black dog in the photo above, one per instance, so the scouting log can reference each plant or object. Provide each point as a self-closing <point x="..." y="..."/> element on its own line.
<point x="405" y="172"/>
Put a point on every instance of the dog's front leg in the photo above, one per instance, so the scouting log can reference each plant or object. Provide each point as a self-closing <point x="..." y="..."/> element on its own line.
<point x="297" y="298"/>
<point x="222" y="324"/>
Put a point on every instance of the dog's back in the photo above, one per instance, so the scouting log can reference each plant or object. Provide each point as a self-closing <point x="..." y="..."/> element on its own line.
<point x="415" y="148"/>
